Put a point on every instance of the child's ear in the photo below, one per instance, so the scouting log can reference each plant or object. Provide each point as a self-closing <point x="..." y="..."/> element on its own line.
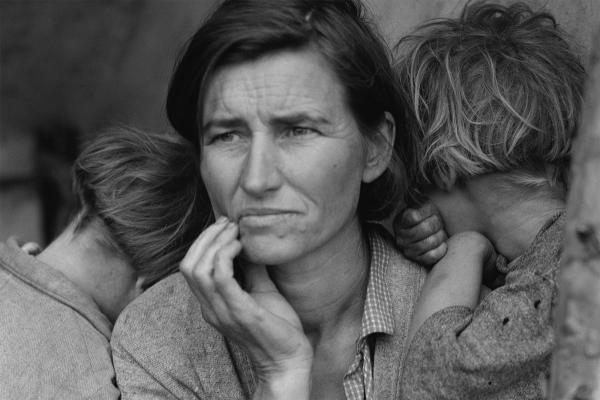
<point x="140" y="283"/>
<point x="380" y="149"/>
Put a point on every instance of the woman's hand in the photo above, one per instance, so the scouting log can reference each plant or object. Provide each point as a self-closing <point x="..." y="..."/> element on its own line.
<point x="260" y="319"/>
<point x="420" y="234"/>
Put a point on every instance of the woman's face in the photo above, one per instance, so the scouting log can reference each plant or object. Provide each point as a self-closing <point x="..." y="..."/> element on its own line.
<point x="282" y="155"/>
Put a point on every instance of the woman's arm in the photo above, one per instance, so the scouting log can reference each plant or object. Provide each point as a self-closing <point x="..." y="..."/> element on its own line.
<point x="259" y="319"/>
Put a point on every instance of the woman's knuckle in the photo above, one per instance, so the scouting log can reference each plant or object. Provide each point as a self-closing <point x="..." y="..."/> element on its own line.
<point x="185" y="266"/>
<point x="220" y="257"/>
<point x="199" y="274"/>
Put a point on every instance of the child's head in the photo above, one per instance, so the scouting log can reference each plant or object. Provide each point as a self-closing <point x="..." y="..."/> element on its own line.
<point x="141" y="192"/>
<point x="496" y="90"/>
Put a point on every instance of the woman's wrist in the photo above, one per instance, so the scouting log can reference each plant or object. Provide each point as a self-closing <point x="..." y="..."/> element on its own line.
<point x="289" y="383"/>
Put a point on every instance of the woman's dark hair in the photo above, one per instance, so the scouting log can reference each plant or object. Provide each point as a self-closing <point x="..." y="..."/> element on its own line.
<point x="142" y="192"/>
<point x="244" y="30"/>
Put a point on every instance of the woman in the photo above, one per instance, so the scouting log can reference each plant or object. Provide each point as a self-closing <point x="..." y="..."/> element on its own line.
<point x="138" y="211"/>
<point x="294" y="107"/>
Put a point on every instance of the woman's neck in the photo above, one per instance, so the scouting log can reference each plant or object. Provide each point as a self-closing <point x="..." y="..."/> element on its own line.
<point x="327" y="288"/>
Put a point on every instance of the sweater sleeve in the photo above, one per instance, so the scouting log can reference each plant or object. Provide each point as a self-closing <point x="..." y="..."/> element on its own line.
<point x="134" y="379"/>
<point x="499" y="350"/>
<point x="140" y="363"/>
<point x="163" y="349"/>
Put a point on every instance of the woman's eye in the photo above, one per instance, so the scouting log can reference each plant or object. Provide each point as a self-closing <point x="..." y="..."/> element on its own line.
<point x="297" y="131"/>
<point x="224" y="137"/>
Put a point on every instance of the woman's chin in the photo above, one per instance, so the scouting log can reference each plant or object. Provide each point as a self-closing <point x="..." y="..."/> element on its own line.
<point x="272" y="252"/>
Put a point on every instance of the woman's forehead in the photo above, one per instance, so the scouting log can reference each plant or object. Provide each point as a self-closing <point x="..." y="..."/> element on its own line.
<point x="287" y="82"/>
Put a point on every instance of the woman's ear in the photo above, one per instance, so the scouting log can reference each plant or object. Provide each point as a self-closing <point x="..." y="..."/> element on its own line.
<point x="380" y="149"/>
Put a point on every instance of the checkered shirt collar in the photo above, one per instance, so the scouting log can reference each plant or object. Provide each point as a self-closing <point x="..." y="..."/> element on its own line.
<point x="377" y="314"/>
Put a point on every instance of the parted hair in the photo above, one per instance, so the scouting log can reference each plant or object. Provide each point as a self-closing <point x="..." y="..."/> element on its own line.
<point x="239" y="31"/>
<point x="497" y="90"/>
<point x="142" y="192"/>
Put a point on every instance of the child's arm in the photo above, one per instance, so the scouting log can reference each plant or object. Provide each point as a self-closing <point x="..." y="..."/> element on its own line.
<point x="500" y="349"/>
<point x="456" y="279"/>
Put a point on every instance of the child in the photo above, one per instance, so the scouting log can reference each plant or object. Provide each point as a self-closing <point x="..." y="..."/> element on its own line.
<point x="495" y="97"/>
<point x="140" y="208"/>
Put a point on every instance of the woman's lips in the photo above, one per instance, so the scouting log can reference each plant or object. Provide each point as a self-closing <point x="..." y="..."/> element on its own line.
<point x="264" y="216"/>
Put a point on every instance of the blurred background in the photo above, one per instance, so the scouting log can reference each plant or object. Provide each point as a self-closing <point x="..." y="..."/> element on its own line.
<point x="71" y="67"/>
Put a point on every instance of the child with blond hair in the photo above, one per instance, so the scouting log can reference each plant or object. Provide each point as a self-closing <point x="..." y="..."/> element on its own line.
<point x="494" y="96"/>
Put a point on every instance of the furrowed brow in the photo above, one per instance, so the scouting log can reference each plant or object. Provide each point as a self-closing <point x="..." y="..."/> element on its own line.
<point x="223" y="123"/>
<point x="299" y="118"/>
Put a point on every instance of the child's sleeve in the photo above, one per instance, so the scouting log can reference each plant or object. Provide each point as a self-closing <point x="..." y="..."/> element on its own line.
<point x="503" y="346"/>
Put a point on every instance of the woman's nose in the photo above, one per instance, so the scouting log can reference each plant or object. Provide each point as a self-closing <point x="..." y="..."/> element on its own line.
<point x="261" y="172"/>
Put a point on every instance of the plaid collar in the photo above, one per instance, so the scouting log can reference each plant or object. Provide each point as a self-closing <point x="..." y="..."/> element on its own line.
<point x="377" y="313"/>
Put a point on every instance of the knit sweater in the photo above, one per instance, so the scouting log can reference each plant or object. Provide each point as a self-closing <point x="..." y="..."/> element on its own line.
<point x="54" y="338"/>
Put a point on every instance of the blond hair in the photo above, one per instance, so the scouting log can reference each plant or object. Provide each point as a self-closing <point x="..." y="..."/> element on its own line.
<point x="497" y="90"/>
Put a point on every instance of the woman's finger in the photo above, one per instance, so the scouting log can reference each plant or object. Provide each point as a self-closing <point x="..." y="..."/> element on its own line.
<point x="239" y="303"/>
<point x="199" y="273"/>
<point x="202" y="267"/>
<point x="198" y="248"/>
<point x="258" y="279"/>
<point x="223" y="261"/>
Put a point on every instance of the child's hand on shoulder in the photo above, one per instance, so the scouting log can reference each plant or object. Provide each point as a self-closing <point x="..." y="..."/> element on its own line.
<point x="420" y="234"/>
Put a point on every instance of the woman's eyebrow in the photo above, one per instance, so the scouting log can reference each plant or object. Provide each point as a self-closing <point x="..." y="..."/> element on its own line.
<point x="222" y="123"/>
<point x="297" y="118"/>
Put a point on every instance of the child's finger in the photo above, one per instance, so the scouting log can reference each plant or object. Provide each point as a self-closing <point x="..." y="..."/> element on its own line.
<point x="431" y="242"/>
<point x="413" y="216"/>
<point x="431" y="257"/>
<point x="428" y="227"/>
<point x="31" y="248"/>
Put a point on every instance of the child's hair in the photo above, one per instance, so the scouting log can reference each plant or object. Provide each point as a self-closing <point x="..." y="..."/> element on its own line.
<point x="496" y="90"/>
<point x="142" y="192"/>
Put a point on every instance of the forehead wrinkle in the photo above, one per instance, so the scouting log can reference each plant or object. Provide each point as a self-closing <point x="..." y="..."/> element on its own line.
<point x="227" y="93"/>
<point x="259" y="90"/>
<point x="307" y="97"/>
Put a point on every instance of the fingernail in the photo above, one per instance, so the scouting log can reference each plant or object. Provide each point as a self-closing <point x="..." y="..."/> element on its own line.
<point x="221" y="219"/>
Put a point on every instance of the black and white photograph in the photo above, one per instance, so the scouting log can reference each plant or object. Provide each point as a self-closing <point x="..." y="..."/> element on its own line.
<point x="300" y="199"/>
